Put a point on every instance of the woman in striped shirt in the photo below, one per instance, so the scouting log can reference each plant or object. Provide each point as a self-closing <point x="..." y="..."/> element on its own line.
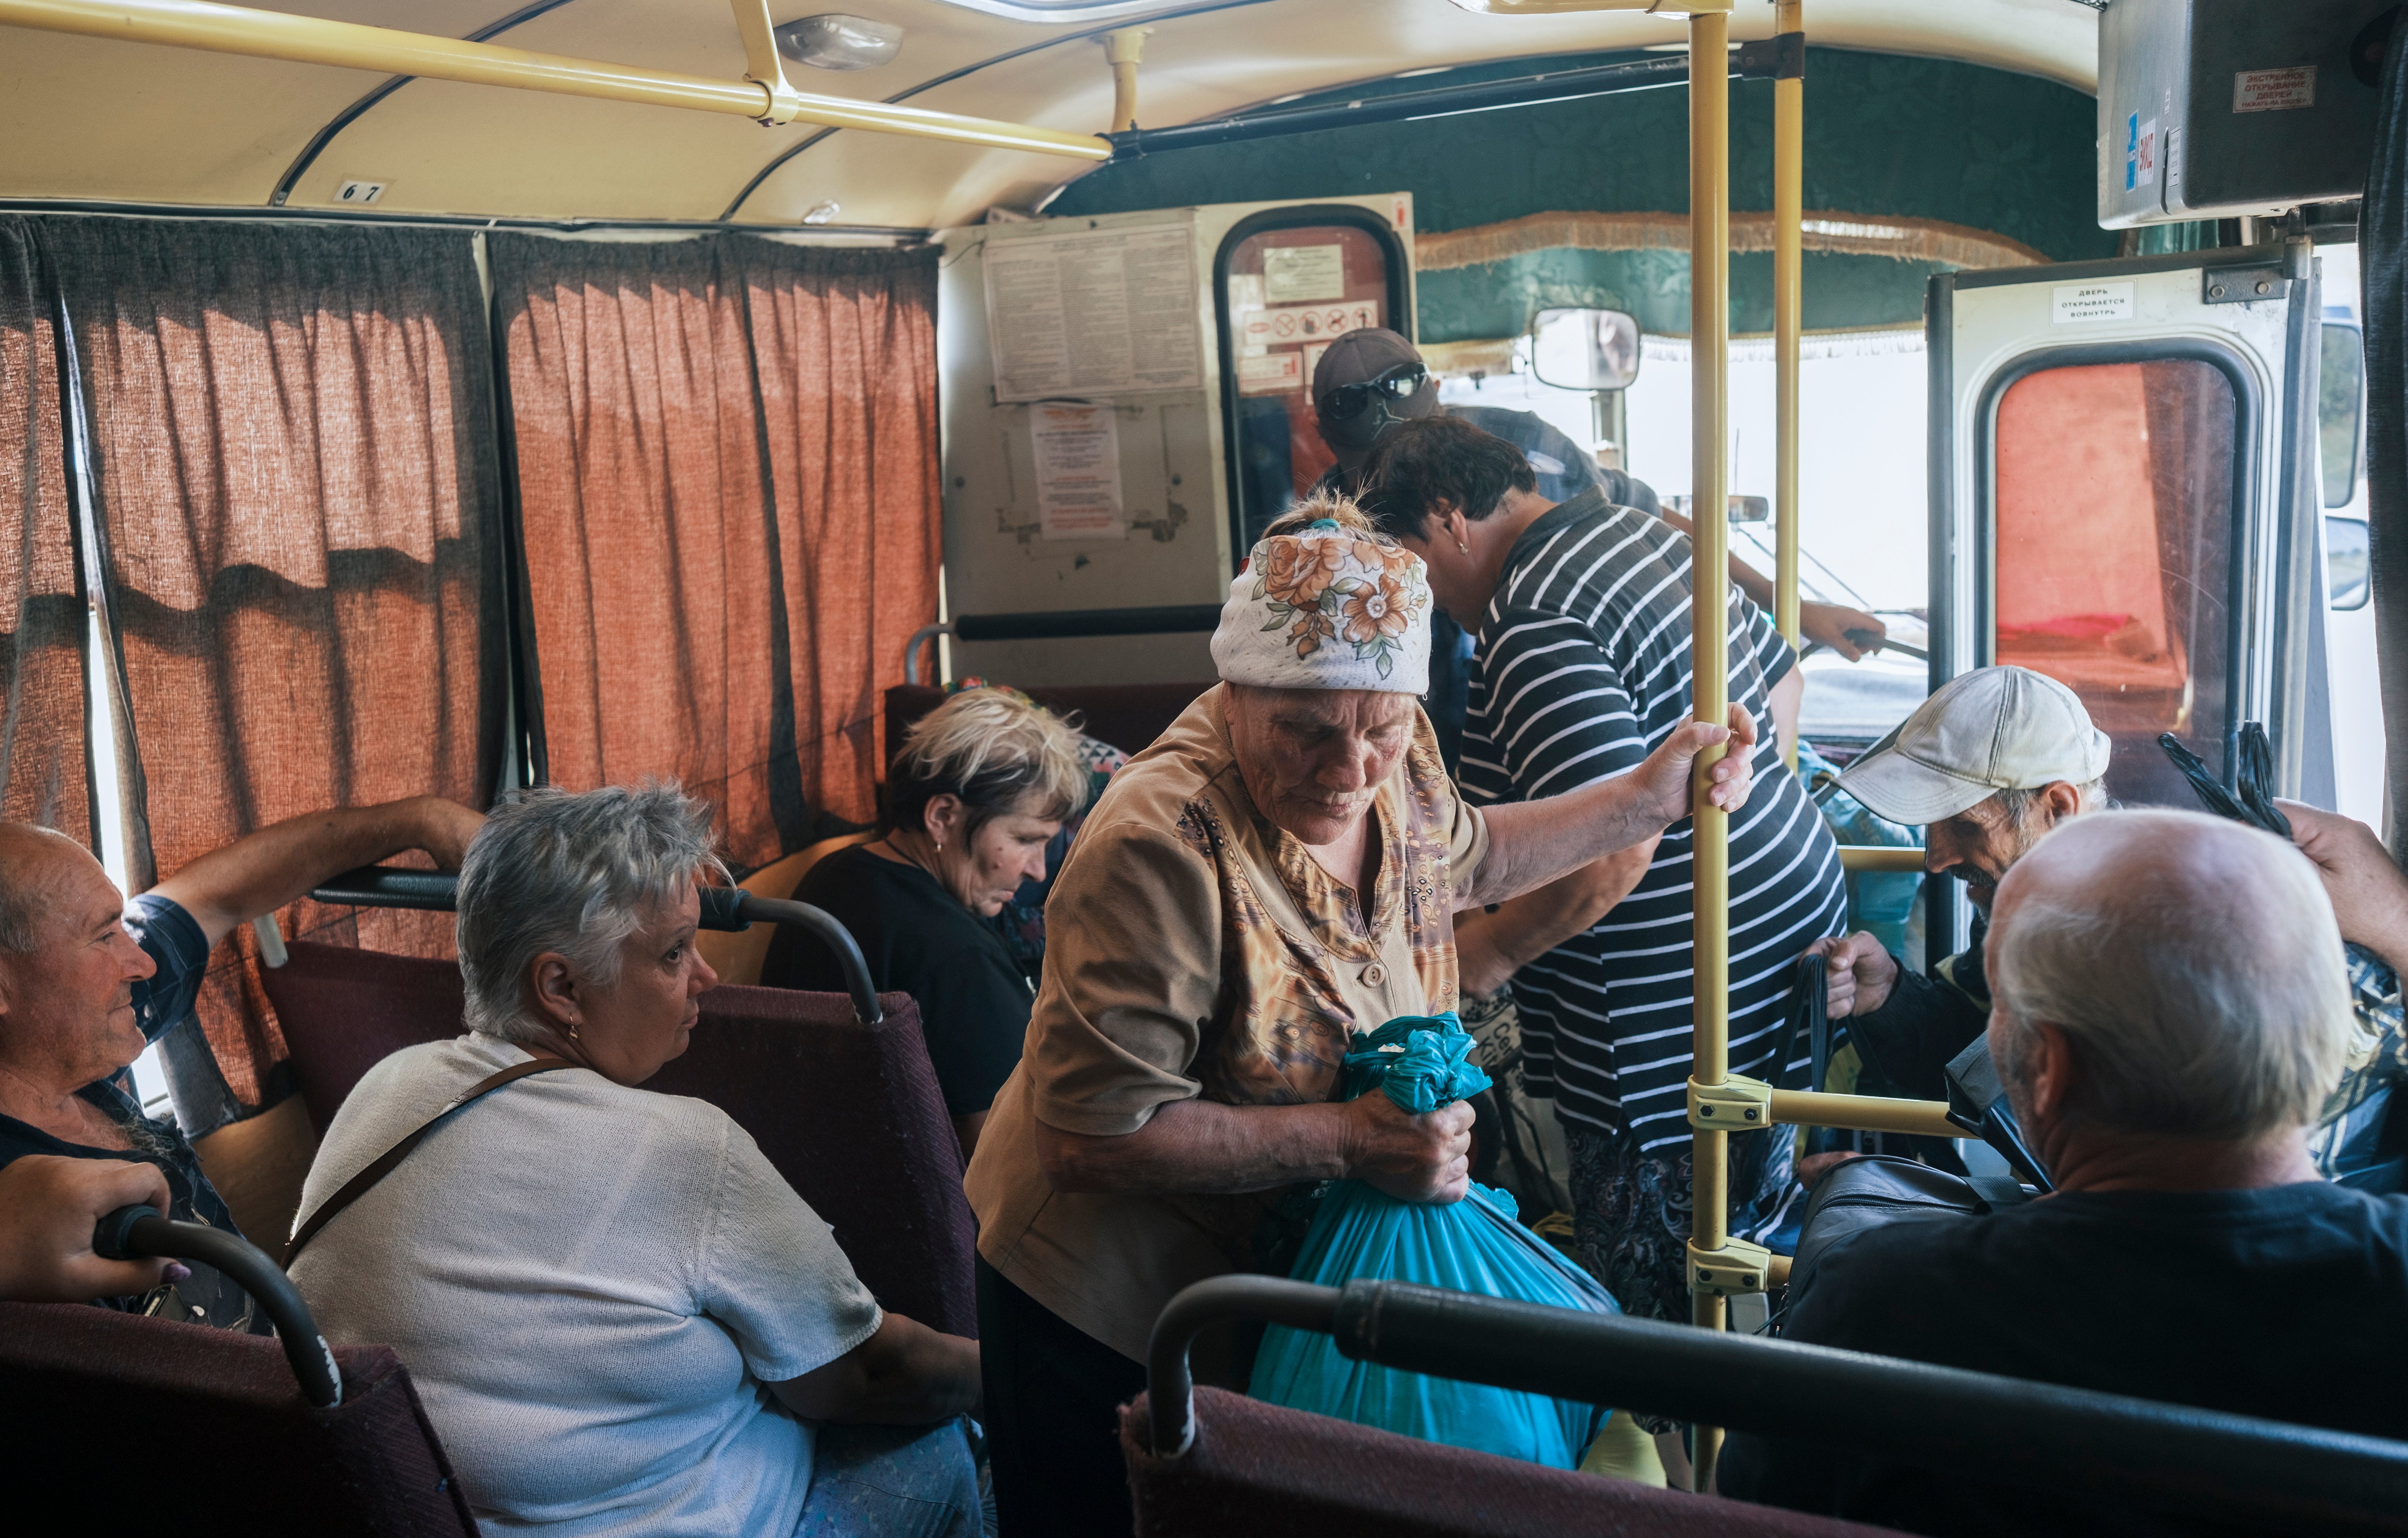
<point x="1581" y="666"/>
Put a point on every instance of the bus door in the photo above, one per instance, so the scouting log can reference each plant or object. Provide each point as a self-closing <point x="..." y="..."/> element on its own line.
<point x="1127" y="402"/>
<point x="2123" y="497"/>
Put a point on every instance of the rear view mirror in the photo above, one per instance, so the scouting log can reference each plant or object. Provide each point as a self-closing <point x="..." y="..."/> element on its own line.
<point x="2341" y="396"/>
<point x="2348" y="564"/>
<point x="1585" y="348"/>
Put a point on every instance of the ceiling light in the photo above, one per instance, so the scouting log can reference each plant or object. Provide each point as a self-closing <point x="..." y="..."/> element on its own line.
<point x="822" y="211"/>
<point x="837" y="41"/>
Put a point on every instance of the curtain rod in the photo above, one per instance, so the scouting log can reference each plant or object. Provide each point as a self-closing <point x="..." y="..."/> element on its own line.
<point x="899" y="234"/>
<point x="763" y="95"/>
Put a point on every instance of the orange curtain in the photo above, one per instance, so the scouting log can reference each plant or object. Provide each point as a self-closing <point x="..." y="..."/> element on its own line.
<point x="42" y="626"/>
<point x="292" y="439"/>
<point x="727" y="454"/>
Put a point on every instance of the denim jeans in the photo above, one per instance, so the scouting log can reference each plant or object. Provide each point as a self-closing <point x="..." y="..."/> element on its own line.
<point x="891" y="1482"/>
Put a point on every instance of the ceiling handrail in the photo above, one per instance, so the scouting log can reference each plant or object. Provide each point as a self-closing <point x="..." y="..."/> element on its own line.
<point x="308" y="39"/>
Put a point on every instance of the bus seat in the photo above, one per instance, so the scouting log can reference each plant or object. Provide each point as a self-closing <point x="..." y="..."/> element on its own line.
<point x="849" y="1113"/>
<point x="207" y="1431"/>
<point x="736" y="954"/>
<point x="1274" y="1473"/>
<point x="1129" y="716"/>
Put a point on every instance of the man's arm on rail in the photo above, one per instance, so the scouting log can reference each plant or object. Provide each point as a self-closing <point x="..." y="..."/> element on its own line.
<point x="262" y="872"/>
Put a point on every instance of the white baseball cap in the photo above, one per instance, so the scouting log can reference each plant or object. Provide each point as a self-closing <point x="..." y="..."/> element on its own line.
<point x="1992" y="729"/>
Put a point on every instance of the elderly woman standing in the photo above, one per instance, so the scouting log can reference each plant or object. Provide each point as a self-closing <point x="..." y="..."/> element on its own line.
<point x="1279" y="871"/>
<point x="981" y="785"/>
<point x="593" y="1286"/>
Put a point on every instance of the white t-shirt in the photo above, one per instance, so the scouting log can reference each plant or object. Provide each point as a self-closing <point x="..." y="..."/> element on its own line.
<point x="590" y="1286"/>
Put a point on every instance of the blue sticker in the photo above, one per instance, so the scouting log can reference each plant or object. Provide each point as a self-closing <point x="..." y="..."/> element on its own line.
<point x="2133" y="152"/>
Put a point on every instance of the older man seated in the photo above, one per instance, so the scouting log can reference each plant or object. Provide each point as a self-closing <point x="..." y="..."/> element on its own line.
<point x="1278" y="873"/>
<point x="88" y="980"/>
<point x="1985" y="767"/>
<point x="2169" y="1013"/>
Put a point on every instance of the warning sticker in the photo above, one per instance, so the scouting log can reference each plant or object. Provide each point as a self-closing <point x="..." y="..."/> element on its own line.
<point x="1293" y="324"/>
<point x="1270" y="374"/>
<point x="2274" y="89"/>
<point x="2076" y="303"/>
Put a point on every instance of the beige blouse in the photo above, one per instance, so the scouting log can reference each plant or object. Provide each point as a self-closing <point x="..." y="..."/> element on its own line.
<point x="1194" y="949"/>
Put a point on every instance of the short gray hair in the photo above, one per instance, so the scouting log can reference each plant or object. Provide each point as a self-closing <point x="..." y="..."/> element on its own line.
<point x="2016" y="804"/>
<point x="2194" y="963"/>
<point x="575" y="874"/>
<point x="23" y="904"/>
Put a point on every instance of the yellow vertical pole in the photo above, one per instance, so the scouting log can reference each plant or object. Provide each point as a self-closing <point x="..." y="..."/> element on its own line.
<point x="1788" y="211"/>
<point x="1709" y="431"/>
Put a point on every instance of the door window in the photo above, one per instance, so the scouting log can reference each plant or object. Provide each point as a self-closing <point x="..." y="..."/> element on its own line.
<point x="2112" y="548"/>
<point x="1289" y="294"/>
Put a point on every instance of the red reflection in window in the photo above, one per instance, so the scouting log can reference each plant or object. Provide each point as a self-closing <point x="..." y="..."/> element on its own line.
<point x="2113" y="540"/>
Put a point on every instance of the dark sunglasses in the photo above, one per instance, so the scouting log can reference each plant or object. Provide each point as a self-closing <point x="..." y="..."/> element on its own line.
<point x="1401" y="383"/>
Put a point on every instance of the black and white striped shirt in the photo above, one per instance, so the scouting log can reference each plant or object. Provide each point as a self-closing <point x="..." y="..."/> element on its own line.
<point x="1582" y="669"/>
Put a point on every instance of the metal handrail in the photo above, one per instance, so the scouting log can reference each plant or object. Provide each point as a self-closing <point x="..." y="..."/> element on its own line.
<point x="764" y="94"/>
<point x="1759" y="61"/>
<point x="1976" y="1425"/>
<point x="138" y="1231"/>
<point x="728" y="909"/>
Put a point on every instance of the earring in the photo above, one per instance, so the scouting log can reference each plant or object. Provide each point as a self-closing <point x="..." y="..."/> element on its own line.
<point x="940" y="847"/>
<point x="1462" y="547"/>
<point x="572" y="1031"/>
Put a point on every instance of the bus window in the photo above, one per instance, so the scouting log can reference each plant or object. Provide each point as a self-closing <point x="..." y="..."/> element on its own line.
<point x="2111" y="574"/>
<point x="1288" y="293"/>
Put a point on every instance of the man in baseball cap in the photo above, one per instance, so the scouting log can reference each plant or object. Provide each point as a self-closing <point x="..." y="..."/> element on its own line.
<point x="1987" y="766"/>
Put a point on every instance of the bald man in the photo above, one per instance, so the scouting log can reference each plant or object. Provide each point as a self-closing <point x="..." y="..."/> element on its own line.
<point x="88" y="981"/>
<point x="2169" y="1011"/>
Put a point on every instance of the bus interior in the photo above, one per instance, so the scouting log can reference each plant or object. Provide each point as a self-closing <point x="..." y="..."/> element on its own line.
<point x="413" y="400"/>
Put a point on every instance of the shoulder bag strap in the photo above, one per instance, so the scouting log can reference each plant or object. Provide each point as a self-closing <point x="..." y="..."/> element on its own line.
<point x="357" y="1186"/>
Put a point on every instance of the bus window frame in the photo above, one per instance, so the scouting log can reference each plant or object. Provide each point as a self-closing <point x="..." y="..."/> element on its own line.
<point x="2249" y="405"/>
<point x="1294" y="216"/>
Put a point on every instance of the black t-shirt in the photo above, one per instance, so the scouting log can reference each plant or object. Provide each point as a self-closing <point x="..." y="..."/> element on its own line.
<point x="2289" y="1303"/>
<point x="918" y="939"/>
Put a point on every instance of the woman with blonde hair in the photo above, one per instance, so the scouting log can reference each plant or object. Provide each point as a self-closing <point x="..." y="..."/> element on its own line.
<point x="981" y="786"/>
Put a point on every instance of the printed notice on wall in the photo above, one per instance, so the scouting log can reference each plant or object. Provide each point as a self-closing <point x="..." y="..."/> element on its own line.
<point x="1296" y="275"/>
<point x="2274" y="89"/>
<point x="2077" y="303"/>
<point x="1078" y="471"/>
<point x="1102" y="312"/>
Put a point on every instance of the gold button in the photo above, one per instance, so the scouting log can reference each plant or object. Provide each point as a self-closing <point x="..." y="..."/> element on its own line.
<point x="1375" y="974"/>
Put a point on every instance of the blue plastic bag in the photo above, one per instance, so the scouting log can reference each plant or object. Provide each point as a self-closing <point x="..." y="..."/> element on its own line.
<point x="1473" y="1246"/>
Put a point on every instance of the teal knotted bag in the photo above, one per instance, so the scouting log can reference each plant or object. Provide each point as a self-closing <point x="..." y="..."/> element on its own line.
<point x="1421" y="1062"/>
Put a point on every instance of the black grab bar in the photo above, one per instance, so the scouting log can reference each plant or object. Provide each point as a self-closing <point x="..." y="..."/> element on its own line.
<point x="137" y="1232"/>
<point x="724" y="907"/>
<point x="1974" y="1424"/>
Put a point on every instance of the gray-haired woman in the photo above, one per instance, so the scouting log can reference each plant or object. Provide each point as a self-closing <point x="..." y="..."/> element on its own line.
<point x="593" y="1285"/>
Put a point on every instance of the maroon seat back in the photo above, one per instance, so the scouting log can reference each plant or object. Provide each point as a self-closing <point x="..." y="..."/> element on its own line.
<point x="1129" y="716"/>
<point x="1266" y="1471"/>
<point x="849" y="1113"/>
<point x="114" y="1423"/>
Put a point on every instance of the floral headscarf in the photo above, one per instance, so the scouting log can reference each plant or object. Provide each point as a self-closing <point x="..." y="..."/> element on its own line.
<point x="1327" y="607"/>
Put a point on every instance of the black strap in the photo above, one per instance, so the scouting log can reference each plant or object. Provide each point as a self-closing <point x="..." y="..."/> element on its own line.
<point x="357" y="1186"/>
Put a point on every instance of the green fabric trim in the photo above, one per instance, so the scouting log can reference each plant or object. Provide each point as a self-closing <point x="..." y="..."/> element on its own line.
<point x="1886" y="134"/>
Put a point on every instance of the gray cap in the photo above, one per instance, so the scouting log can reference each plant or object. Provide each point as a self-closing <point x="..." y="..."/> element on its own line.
<point x="1357" y="356"/>
<point x="1989" y="730"/>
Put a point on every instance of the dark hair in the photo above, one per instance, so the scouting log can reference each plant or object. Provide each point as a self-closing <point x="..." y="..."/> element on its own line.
<point x="1417" y="465"/>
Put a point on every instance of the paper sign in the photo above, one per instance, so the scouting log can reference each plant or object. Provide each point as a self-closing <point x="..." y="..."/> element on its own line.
<point x="1102" y="312"/>
<point x="1292" y="274"/>
<point x="2274" y="89"/>
<point x="2077" y="303"/>
<point x="1077" y="452"/>
<point x="1270" y="373"/>
<point x="2140" y="152"/>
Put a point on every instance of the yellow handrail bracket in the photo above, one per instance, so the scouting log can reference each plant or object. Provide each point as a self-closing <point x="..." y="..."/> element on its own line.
<point x="764" y="96"/>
